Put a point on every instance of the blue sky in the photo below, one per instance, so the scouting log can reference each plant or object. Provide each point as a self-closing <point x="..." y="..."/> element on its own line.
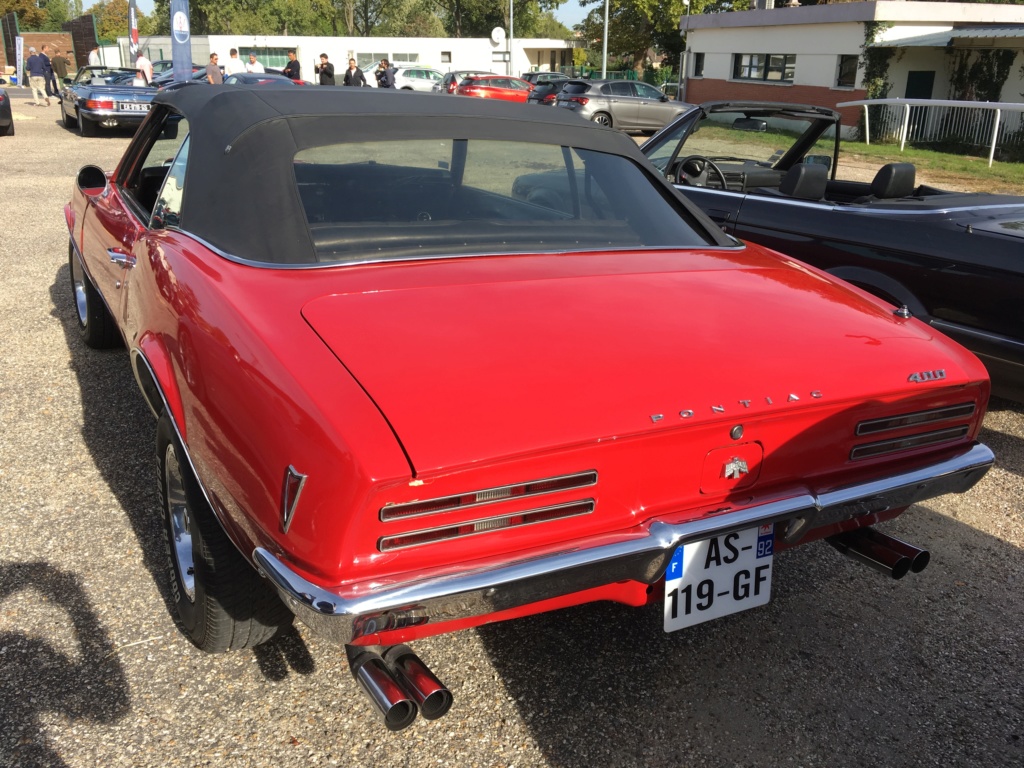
<point x="568" y="13"/>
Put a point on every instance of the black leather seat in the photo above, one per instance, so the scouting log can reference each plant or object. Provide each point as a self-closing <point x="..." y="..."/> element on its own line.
<point x="804" y="181"/>
<point x="892" y="181"/>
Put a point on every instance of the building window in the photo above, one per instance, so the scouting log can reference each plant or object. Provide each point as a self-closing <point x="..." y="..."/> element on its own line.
<point x="406" y="58"/>
<point x="847" y="77"/>
<point x="446" y="57"/>
<point x="777" y="67"/>
<point x="698" y="65"/>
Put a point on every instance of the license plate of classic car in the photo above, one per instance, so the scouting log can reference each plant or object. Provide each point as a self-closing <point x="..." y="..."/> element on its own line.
<point x="134" y="107"/>
<point x="718" y="576"/>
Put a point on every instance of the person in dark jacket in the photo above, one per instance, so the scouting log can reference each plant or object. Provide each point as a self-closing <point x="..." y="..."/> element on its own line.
<point x="326" y="70"/>
<point x="37" y="77"/>
<point x="51" y="81"/>
<point x="385" y="75"/>
<point x="354" y="75"/>
<point x="292" y="68"/>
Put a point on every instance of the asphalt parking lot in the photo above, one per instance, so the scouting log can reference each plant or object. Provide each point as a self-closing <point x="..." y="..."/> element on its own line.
<point x="842" y="668"/>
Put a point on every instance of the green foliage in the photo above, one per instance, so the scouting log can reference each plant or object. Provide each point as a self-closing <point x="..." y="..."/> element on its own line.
<point x="979" y="75"/>
<point x="636" y="26"/>
<point x="875" y="61"/>
<point x="476" y="18"/>
<point x="30" y="16"/>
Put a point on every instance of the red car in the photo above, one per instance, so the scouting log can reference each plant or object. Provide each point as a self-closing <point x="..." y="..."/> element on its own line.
<point x="451" y="404"/>
<point x="495" y="87"/>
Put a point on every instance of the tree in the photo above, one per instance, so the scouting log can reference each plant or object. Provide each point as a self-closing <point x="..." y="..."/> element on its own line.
<point x="30" y="16"/>
<point x="476" y="18"/>
<point x="635" y="26"/>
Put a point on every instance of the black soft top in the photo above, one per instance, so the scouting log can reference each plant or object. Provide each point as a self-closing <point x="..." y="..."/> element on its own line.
<point x="246" y="139"/>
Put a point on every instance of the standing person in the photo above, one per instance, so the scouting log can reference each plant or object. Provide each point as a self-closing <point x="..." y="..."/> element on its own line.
<point x="292" y="68"/>
<point x="354" y="75"/>
<point x="326" y="70"/>
<point x="94" y="56"/>
<point x="234" y="65"/>
<point x="37" y="77"/>
<point x="213" y="74"/>
<point x="254" y="66"/>
<point x="51" y="84"/>
<point x="385" y="75"/>
<point x="60" y="66"/>
<point x="145" y="66"/>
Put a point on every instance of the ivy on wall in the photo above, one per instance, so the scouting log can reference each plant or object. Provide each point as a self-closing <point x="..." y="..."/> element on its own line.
<point x="979" y="75"/>
<point x="875" y="61"/>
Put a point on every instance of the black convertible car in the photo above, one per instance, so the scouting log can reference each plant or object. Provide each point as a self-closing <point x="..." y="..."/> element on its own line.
<point x="766" y="172"/>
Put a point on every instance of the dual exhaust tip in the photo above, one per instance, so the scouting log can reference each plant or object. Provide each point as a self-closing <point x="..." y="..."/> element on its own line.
<point x="399" y="685"/>
<point x="880" y="551"/>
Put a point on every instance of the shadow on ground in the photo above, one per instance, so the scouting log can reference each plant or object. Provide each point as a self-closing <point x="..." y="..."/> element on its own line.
<point x="120" y="433"/>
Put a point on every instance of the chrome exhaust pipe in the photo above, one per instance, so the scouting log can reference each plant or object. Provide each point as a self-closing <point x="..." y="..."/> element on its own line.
<point x="883" y="553"/>
<point x="393" y="704"/>
<point x="418" y="682"/>
<point x="919" y="558"/>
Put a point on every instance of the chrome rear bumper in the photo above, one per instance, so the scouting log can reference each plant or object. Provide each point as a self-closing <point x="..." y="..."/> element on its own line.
<point x="641" y="554"/>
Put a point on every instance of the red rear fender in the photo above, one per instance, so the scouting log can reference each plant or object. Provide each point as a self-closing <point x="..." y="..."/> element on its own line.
<point x="155" y="376"/>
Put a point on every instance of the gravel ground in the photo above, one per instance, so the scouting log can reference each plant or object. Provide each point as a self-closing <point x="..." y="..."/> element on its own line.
<point x="843" y="668"/>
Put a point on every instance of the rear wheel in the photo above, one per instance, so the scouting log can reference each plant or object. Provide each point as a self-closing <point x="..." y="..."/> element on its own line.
<point x="222" y="602"/>
<point x="95" y="325"/>
<point x="603" y="118"/>
<point x="87" y="128"/>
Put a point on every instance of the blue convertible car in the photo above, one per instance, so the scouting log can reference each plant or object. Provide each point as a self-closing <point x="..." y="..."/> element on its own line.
<point x="103" y="96"/>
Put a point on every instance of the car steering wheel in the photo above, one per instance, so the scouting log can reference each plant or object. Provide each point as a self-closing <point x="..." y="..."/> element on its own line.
<point x="692" y="171"/>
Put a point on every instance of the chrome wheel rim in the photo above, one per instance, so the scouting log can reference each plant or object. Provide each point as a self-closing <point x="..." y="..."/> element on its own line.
<point x="180" y="519"/>
<point x="78" y="284"/>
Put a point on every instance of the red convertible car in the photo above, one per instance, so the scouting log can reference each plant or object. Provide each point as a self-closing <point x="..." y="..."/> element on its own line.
<point x="454" y="406"/>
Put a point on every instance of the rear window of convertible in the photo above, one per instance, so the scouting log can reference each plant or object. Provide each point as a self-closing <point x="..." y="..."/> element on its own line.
<point x="389" y="200"/>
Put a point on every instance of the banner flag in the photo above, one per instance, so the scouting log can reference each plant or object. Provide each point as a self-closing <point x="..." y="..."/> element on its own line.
<point x="133" y="32"/>
<point x="181" y="41"/>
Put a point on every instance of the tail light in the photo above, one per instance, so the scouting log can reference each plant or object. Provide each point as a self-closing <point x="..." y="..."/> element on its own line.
<point x="98" y="104"/>
<point x="452" y="86"/>
<point x="913" y="422"/>
<point x="549" y="99"/>
<point x="486" y="525"/>
<point x="487" y="496"/>
<point x="581" y="100"/>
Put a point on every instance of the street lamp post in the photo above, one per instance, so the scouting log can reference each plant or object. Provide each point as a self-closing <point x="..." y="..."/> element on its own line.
<point x="683" y="72"/>
<point x="604" y="44"/>
<point x="511" y="36"/>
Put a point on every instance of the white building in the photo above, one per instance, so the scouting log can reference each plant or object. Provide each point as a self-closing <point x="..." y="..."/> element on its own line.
<point x="812" y="54"/>
<point x="497" y="55"/>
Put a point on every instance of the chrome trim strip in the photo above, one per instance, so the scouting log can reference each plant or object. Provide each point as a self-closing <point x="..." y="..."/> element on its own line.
<point x="387" y="512"/>
<point x="412" y="260"/>
<point x="347" y="613"/>
<point x="292" y="477"/>
<point x="908" y="443"/>
<point x="948" y="327"/>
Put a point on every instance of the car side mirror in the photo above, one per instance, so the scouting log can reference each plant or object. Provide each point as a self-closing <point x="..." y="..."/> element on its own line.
<point x="91" y="177"/>
<point x="68" y="81"/>
<point x="819" y="160"/>
<point x="664" y="97"/>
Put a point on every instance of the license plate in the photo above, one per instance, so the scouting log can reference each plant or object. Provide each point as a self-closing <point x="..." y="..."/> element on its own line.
<point x="130" y="107"/>
<point x="718" y="576"/>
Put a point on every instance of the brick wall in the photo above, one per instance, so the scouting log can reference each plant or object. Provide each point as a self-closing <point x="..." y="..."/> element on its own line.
<point x="37" y="40"/>
<point x="707" y="89"/>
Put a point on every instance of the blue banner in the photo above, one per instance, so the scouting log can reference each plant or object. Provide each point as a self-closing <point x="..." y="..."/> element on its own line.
<point x="181" y="41"/>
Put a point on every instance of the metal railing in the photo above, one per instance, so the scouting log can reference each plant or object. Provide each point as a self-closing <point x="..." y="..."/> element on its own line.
<point x="981" y="125"/>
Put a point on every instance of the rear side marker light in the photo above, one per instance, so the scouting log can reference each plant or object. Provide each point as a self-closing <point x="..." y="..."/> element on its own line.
<point x="870" y="450"/>
<point x="874" y="426"/>
<point x="486" y="525"/>
<point x="488" y="496"/>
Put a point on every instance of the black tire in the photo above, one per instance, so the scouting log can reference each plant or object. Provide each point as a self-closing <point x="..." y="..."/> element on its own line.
<point x="222" y="603"/>
<point x="87" y="128"/>
<point x="69" y="122"/>
<point x="95" y="325"/>
<point x="9" y="130"/>
<point x="602" y="118"/>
